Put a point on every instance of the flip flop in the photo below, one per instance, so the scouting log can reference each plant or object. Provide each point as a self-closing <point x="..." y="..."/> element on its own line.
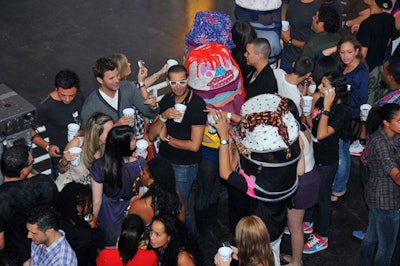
<point x="285" y="259"/>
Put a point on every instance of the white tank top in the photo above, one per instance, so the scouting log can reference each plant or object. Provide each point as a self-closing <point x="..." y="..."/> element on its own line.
<point x="308" y="153"/>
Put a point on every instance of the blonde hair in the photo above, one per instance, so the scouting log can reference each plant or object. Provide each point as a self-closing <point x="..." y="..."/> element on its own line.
<point x="122" y="63"/>
<point x="253" y="242"/>
<point x="93" y="130"/>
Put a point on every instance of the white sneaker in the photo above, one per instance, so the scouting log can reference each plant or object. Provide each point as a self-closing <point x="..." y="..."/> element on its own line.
<point x="356" y="148"/>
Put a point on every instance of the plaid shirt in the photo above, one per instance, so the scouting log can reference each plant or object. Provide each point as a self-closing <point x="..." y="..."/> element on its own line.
<point x="59" y="253"/>
<point x="384" y="155"/>
<point x="392" y="96"/>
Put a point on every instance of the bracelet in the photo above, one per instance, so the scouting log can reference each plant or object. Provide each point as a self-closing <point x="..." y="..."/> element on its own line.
<point x="47" y="147"/>
<point x="34" y="136"/>
<point x="229" y="115"/>
<point x="162" y="119"/>
<point x="327" y="113"/>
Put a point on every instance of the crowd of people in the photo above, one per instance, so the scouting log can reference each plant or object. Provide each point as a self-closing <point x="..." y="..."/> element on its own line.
<point x="271" y="137"/>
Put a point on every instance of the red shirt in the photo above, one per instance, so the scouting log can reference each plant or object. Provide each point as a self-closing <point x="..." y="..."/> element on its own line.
<point x="111" y="257"/>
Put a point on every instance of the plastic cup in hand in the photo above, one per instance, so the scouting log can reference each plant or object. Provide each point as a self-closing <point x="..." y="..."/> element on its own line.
<point x="285" y="25"/>
<point x="128" y="112"/>
<point x="171" y="62"/>
<point x="312" y="88"/>
<point x="141" y="147"/>
<point x="181" y="108"/>
<point x="225" y="253"/>
<point x="307" y="105"/>
<point x="77" y="151"/>
<point x="364" y="111"/>
<point x="210" y="119"/>
<point x="73" y="129"/>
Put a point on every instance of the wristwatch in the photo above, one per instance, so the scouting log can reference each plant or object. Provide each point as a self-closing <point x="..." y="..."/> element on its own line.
<point x="141" y="84"/>
<point x="327" y="113"/>
<point x="224" y="142"/>
<point x="290" y="41"/>
<point x="345" y="26"/>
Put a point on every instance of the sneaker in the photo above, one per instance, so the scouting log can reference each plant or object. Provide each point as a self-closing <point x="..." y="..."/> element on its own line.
<point x="315" y="243"/>
<point x="307" y="228"/>
<point x="356" y="148"/>
<point x="286" y="231"/>
<point x="359" y="234"/>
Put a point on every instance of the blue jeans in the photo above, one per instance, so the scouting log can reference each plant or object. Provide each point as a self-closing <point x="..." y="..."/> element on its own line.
<point x="343" y="171"/>
<point x="184" y="176"/>
<point x="327" y="174"/>
<point x="383" y="227"/>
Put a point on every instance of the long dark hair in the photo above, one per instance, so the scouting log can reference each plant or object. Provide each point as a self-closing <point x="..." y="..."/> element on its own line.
<point x="339" y="82"/>
<point x="378" y="114"/>
<point x="242" y="34"/>
<point x="180" y="240"/>
<point x="117" y="146"/>
<point x="132" y="230"/>
<point x="165" y="199"/>
<point x="72" y="195"/>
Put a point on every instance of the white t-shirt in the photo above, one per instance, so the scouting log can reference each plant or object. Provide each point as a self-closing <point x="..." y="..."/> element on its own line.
<point x="111" y="101"/>
<point x="287" y="89"/>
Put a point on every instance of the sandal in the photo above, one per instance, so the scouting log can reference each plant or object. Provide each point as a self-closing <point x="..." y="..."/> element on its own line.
<point x="334" y="198"/>
<point x="285" y="259"/>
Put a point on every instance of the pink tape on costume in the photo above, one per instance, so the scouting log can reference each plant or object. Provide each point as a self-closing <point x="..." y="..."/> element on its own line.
<point x="250" y="183"/>
<point x="396" y="13"/>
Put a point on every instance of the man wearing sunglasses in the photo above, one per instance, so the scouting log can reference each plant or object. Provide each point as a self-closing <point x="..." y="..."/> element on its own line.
<point x="20" y="192"/>
<point x="181" y="139"/>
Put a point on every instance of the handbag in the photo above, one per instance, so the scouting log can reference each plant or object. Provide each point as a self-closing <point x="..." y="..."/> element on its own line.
<point x="355" y="129"/>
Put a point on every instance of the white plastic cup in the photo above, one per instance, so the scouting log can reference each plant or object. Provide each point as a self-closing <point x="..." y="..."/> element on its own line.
<point x="73" y="129"/>
<point x="307" y="105"/>
<point x="76" y="150"/>
<point x="128" y="112"/>
<point x="312" y="88"/>
<point x="181" y="108"/>
<point x="210" y="119"/>
<point x="365" y="111"/>
<point x="171" y="62"/>
<point x="285" y="25"/>
<point x="141" y="147"/>
<point x="225" y="253"/>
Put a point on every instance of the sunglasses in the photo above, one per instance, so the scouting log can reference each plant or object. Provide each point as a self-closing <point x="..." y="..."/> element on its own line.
<point x="182" y="82"/>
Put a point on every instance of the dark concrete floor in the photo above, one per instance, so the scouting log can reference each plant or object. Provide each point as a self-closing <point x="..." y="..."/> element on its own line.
<point x="40" y="37"/>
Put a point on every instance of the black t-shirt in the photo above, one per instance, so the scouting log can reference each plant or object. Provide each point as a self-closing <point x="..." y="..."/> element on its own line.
<point x="374" y="33"/>
<point x="56" y="116"/>
<point x="17" y="199"/>
<point x="265" y="82"/>
<point x="194" y="116"/>
<point x="326" y="151"/>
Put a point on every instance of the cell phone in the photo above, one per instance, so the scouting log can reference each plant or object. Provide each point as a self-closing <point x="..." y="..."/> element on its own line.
<point x="140" y="63"/>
